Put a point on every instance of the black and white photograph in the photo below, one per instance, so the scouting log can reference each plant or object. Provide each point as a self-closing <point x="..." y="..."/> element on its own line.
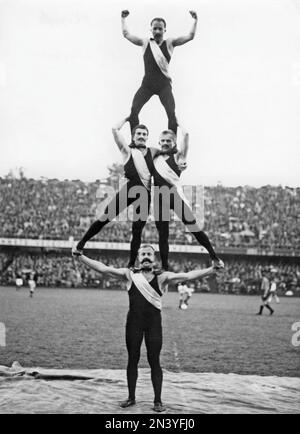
<point x="150" y="209"/>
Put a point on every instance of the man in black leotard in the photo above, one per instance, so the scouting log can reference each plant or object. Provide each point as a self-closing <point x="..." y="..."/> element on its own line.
<point x="138" y="169"/>
<point x="157" y="55"/>
<point x="168" y="165"/>
<point x="145" y="289"/>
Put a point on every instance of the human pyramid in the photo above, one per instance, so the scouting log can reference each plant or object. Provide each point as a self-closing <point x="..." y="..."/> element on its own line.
<point x="145" y="284"/>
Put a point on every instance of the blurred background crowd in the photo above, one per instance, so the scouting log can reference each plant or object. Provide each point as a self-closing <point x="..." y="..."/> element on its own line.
<point x="266" y="217"/>
<point x="241" y="276"/>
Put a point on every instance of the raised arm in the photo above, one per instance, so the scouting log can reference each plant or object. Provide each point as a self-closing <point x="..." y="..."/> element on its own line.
<point x="121" y="273"/>
<point x="184" y="144"/>
<point x="184" y="39"/>
<point x="119" y="139"/>
<point x="134" y="39"/>
<point x="168" y="277"/>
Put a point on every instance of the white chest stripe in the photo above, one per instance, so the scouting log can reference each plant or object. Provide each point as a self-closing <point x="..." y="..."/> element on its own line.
<point x="169" y="175"/>
<point x="160" y="59"/>
<point x="141" y="167"/>
<point x="146" y="289"/>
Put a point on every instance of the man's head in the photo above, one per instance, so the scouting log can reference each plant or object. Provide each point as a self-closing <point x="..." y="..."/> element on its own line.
<point x="158" y="28"/>
<point x="140" y="135"/>
<point x="146" y="257"/>
<point x="167" y="140"/>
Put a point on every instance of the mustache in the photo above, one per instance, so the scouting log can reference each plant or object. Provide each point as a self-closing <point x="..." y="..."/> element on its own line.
<point x="146" y="260"/>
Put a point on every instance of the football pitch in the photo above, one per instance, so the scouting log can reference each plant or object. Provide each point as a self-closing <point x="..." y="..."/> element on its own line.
<point x="84" y="329"/>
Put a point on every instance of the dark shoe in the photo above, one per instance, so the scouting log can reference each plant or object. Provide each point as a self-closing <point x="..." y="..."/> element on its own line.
<point x="218" y="264"/>
<point x="76" y="252"/>
<point x="127" y="403"/>
<point x="159" y="407"/>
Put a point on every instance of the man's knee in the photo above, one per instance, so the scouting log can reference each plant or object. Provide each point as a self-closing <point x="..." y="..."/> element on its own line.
<point x="153" y="360"/>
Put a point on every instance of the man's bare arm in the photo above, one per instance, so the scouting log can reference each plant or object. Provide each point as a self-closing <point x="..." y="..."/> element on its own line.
<point x="121" y="273"/>
<point x="134" y="39"/>
<point x="168" y="277"/>
<point x="184" y="145"/>
<point x="184" y="39"/>
<point x="119" y="139"/>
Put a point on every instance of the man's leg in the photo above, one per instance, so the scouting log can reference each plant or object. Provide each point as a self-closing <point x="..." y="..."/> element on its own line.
<point x="153" y="341"/>
<point x="140" y="98"/>
<point x="261" y="308"/>
<point x="183" y="211"/>
<point x="137" y="229"/>
<point x="167" y="99"/>
<point x="187" y="299"/>
<point x="162" y="219"/>
<point x="163" y="242"/>
<point x="138" y="225"/>
<point x="269" y="308"/>
<point x="134" y="339"/>
<point x="113" y="209"/>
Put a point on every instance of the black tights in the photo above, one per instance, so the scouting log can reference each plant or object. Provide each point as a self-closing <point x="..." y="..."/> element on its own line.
<point x="143" y="95"/>
<point x="162" y="218"/>
<point x="135" y="332"/>
<point x="113" y="209"/>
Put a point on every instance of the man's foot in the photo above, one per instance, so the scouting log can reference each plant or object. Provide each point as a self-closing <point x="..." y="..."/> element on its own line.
<point x="127" y="403"/>
<point x="271" y="313"/>
<point x="76" y="252"/>
<point x="159" y="407"/>
<point x="218" y="264"/>
<point x="258" y="313"/>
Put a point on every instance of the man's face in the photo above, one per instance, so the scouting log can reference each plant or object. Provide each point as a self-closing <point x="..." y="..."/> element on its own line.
<point x="146" y="257"/>
<point x="140" y="136"/>
<point x="166" y="142"/>
<point x="158" y="29"/>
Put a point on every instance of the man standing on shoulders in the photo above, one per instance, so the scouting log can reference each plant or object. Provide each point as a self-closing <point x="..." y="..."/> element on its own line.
<point x="157" y="54"/>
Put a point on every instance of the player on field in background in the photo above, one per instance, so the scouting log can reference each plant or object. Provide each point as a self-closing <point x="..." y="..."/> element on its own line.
<point x="265" y="288"/>
<point x="19" y="281"/>
<point x="32" y="279"/>
<point x="157" y="54"/>
<point x="185" y="294"/>
<point x="273" y="287"/>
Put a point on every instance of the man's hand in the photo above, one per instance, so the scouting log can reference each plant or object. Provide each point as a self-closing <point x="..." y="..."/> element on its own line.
<point x="194" y="15"/>
<point x="124" y="14"/>
<point x="182" y="166"/>
<point x="75" y="252"/>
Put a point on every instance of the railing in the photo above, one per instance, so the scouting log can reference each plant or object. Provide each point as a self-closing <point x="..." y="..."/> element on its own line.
<point x="176" y="248"/>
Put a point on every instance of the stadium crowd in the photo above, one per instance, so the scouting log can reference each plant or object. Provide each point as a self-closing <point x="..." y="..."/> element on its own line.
<point x="266" y="217"/>
<point x="242" y="276"/>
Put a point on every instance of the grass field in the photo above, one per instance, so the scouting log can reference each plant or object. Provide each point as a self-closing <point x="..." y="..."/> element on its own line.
<point x="85" y="329"/>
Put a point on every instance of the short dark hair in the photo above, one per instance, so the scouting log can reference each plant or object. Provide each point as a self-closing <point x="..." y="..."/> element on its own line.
<point x="159" y="19"/>
<point x="141" y="127"/>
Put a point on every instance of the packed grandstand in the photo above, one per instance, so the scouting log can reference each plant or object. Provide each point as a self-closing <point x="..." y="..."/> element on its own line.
<point x="253" y="228"/>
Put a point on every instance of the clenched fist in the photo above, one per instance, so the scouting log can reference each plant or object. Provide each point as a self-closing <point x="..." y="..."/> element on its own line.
<point x="194" y="15"/>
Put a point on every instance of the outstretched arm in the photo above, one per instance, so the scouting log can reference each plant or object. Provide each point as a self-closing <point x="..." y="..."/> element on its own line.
<point x="168" y="277"/>
<point x="121" y="273"/>
<point x="134" y="39"/>
<point x="184" y="39"/>
<point x="119" y="139"/>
